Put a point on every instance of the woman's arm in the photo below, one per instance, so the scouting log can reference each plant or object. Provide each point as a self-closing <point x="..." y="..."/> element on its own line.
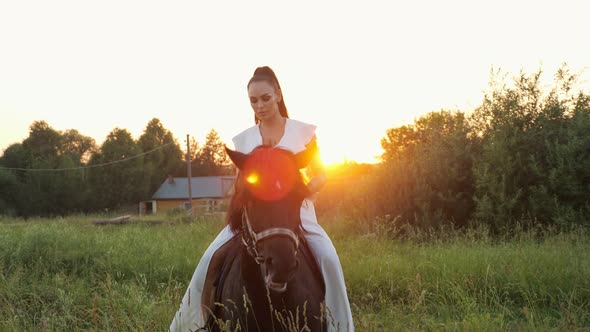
<point x="318" y="173"/>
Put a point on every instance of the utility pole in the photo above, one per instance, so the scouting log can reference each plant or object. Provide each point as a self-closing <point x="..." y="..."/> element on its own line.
<point x="189" y="175"/>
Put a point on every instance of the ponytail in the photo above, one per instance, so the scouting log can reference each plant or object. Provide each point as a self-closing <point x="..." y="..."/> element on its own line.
<point x="268" y="75"/>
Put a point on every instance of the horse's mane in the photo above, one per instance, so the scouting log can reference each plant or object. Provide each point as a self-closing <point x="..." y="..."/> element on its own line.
<point x="241" y="195"/>
<point x="236" y="205"/>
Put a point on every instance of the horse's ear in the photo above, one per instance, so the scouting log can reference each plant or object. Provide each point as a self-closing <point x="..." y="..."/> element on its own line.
<point x="236" y="157"/>
<point x="303" y="158"/>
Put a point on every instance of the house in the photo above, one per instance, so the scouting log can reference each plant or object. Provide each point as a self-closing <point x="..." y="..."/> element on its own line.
<point x="209" y="194"/>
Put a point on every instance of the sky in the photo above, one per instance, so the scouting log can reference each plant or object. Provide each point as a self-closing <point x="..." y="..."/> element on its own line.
<point x="353" y="68"/>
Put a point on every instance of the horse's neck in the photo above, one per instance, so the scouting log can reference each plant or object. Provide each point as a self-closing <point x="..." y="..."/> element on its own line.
<point x="249" y="269"/>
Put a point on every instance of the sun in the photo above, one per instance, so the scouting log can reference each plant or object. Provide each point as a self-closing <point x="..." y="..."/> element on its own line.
<point x="331" y="157"/>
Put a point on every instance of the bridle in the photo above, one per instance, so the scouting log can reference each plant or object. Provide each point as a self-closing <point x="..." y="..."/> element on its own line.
<point x="250" y="238"/>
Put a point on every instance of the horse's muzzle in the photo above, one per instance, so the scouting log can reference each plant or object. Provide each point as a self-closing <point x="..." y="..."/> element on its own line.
<point x="278" y="287"/>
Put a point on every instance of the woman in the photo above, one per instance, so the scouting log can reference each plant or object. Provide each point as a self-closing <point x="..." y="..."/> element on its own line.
<point x="273" y="127"/>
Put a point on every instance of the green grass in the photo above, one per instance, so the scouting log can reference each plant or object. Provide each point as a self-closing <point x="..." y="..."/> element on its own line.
<point x="67" y="275"/>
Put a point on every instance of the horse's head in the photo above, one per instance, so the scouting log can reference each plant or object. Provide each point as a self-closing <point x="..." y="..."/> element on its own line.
<point x="269" y="191"/>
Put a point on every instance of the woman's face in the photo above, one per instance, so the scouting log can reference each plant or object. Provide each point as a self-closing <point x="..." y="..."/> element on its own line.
<point x="264" y="100"/>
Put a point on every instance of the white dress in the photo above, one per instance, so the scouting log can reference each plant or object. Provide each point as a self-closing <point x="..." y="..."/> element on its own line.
<point x="189" y="316"/>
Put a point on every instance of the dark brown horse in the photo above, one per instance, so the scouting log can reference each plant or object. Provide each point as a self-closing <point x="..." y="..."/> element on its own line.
<point x="269" y="280"/>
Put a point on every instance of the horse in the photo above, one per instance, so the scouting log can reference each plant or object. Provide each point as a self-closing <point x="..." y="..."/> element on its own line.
<point x="269" y="279"/>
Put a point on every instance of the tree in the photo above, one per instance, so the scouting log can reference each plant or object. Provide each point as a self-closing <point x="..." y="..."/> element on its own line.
<point x="534" y="153"/>
<point x="211" y="158"/>
<point x="119" y="183"/>
<point x="194" y="147"/>
<point x="43" y="144"/>
<point x="9" y="193"/>
<point x="158" y="164"/>
<point x="41" y="150"/>
<point x="15" y="156"/>
<point x="50" y="191"/>
<point x="425" y="178"/>
<point x="77" y="146"/>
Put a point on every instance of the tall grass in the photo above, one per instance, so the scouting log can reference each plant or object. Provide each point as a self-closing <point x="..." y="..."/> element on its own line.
<point x="67" y="275"/>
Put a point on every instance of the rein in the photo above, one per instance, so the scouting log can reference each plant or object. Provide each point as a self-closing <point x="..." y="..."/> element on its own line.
<point x="251" y="238"/>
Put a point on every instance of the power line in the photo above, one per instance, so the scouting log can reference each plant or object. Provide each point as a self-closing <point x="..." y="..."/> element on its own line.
<point x="83" y="167"/>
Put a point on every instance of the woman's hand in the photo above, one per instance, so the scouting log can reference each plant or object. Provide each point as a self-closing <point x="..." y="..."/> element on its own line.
<point x="316" y="183"/>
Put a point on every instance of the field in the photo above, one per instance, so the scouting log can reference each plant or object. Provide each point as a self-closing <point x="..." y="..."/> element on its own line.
<point x="66" y="274"/>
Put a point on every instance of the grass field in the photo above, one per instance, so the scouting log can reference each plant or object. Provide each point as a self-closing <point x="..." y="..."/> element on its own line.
<point x="67" y="274"/>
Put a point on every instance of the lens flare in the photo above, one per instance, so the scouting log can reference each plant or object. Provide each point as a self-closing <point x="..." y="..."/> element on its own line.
<point x="271" y="173"/>
<point x="252" y="178"/>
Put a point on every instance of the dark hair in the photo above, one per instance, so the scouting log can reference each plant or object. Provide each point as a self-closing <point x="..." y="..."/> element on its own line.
<point x="268" y="75"/>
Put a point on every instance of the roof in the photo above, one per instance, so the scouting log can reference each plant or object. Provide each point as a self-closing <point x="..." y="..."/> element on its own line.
<point x="201" y="187"/>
